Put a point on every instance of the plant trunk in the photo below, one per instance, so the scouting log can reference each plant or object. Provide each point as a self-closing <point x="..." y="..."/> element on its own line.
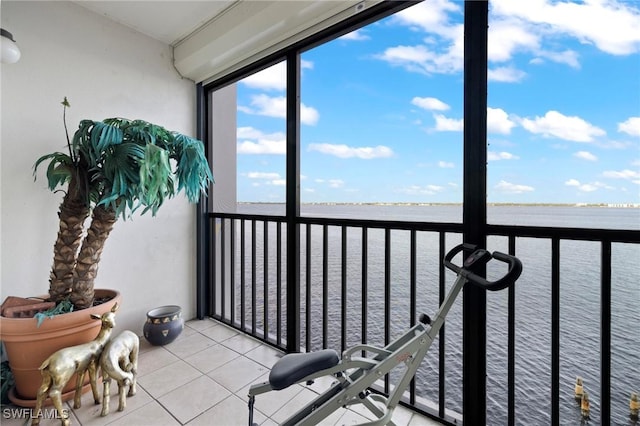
<point x="102" y="221"/>
<point x="72" y="214"/>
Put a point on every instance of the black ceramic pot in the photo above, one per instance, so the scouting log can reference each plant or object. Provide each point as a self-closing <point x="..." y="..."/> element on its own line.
<point x="163" y="324"/>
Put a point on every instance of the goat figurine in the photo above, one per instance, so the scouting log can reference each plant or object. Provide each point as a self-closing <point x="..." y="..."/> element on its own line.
<point x="61" y="365"/>
<point x="119" y="361"/>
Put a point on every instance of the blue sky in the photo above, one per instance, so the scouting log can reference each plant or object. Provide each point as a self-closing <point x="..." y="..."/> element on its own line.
<point x="382" y="109"/>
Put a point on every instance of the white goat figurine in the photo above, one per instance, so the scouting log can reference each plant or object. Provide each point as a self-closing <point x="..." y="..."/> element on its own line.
<point x="119" y="361"/>
<point x="60" y="367"/>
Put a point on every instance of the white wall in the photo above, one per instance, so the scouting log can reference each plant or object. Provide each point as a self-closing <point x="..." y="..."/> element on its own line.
<point x="105" y="70"/>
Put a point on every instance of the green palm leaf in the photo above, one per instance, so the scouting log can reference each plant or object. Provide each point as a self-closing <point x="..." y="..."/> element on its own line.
<point x="59" y="171"/>
<point x="119" y="172"/>
<point x="156" y="181"/>
<point x="105" y="135"/>
<point x="193" y="171"/>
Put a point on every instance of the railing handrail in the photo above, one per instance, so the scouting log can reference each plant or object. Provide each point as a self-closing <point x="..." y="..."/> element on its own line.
<point x="524" y="231"/>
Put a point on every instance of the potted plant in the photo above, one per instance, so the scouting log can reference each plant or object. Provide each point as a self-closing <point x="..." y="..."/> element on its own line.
<point x="111" y="168"/>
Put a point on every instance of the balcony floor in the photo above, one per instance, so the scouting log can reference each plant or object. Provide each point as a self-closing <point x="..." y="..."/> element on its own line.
<point x="202" y="378"/>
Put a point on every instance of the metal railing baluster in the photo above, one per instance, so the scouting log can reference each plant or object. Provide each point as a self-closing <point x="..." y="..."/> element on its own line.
<point x="265" y="275"/>
<point x="343" y="286"/>
<point x="511" y="343"/>
<point x="325" y="286"/>
<point x="308" y="289"/>
<point x="441" y="336"/>
<point x="243" y="295"/>
<point x="279" y="283"/>
<point x="387" y="296"/>
<point x="605" y="334"/>
<point x="555" y="332"/>
<point x="253" y="278"/>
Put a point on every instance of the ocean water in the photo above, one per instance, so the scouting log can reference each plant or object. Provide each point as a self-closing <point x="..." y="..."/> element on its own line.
<point x="579" y="303"/>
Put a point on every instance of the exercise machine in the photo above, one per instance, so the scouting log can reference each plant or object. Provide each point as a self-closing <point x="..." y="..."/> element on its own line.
<point x="362" y="365"/>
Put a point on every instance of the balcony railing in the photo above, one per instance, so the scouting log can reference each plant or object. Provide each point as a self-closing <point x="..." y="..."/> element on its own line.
<point x="368" y="280"/>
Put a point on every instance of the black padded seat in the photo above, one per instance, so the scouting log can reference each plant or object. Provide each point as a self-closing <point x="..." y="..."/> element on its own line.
<point x="292" y="367"/>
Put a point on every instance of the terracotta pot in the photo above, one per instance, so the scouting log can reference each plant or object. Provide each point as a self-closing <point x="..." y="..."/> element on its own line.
<point x="27" y="346"/>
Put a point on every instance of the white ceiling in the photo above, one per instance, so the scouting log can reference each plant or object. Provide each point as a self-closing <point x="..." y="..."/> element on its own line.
<point x="167" y="21"/>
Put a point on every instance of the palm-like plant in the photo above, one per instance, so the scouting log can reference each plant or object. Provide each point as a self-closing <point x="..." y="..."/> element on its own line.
<point x="112" y="168"/>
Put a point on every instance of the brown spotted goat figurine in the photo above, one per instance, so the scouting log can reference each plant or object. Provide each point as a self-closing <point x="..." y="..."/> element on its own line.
<point x="58" y="368"/>
<point x="119" y="361"/>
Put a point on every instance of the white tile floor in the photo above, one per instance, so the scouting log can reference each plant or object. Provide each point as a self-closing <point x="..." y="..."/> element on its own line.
<point x="202" y="378"/>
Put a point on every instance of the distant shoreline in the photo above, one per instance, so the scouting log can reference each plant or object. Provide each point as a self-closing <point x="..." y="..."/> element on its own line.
<point x="602" y="205"/>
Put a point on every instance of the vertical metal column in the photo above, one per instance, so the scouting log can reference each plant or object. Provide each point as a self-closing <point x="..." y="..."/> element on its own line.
<point x="202" y="217"/>
<point x="475" y="207"/>
<point x="293" y="202"/>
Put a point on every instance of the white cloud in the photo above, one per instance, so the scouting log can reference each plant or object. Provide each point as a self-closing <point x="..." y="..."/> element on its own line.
<point x="444" y="124"/>
<point x="613" y="144"/>
<point x="505" y="74"/>
<point x="631" y="175"/>
<point x="512" y="188"/>
<point x="585" y="155"/>
<point x="509" y="35"/>
<point x="424" y="59"/>
<point x="531" y="27"/>
<point x="587" y="187"/>
<point x="432" y="104"/>
<point x="262" y="147"/>
<point x="431" y="16"/>
<point x="256" y="142"/>
<point x="506" y="36"/>
<point x="272" y="78"/>
<point x="277" y="107"/>
<point x="421" y="190"/>
<point x="263" y="175"/>
<point x="630" y="126"/>
<point x="610" y="25"/>
<point x="250" y="133"/>
<point x="308" y="115"/>
<point x="445" y="165"/>
<point x="268" y="178"/>
<point x="357" y="35"/>
<point x="344" y="151"/>
<point x="331" y="183"/>
<point x="555" y="124"/>
<point x="496" y="156"/>
<point x="498" y="121"/>
<point x="442" y="53"/>
<point x="568" y="57"/>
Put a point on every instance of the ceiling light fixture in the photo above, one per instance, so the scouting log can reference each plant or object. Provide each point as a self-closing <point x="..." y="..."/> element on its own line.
<point x="10" y="50"/>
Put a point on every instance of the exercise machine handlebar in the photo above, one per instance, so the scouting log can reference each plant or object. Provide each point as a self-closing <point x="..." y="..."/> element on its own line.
<point x="478" y="257"/>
